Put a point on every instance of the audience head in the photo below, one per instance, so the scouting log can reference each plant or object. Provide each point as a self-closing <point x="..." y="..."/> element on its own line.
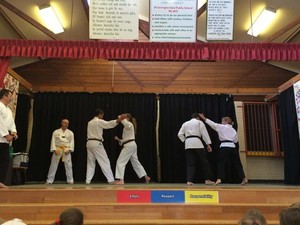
<point x="71" y="216"/>
<point x="14" y="222"/>
<point x="253" y="217"/>
<point x="290" y="215"/>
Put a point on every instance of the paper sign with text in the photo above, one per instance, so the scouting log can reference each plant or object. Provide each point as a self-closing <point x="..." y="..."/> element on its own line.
<point x="202" y="197"/>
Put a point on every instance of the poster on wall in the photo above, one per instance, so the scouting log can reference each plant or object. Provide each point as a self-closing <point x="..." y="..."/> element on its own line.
<point x="220" y="20"/>
<point x="173" y="21"/>
<point x="114" y="19"/>
<point x="297" y="102"/>
<point x="12" y="84"/>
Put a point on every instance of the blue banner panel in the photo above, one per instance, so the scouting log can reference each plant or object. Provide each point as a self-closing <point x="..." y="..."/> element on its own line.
<point x="167" y="196"/>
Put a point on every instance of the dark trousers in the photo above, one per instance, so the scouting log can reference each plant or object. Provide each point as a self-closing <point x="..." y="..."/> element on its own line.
<point x="192" y="155"/>
<point x="233" y="154"/>
<point x="4" y="161"/>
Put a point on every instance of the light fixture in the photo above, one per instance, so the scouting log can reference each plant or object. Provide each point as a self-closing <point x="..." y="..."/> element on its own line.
<point x="51" y="20"/>
<point x="88" y="2"/>
<point x="262" y="21"/>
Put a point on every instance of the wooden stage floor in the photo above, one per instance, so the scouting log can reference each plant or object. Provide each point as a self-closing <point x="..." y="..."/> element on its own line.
<point x="139" y="204"/>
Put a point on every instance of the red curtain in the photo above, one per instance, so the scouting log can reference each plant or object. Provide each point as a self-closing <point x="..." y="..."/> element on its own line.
<point x="4" y="62"/>
<point x="150" y="50"/>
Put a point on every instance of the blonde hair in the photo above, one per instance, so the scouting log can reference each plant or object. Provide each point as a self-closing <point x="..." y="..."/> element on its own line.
<point x="133" y="121"/>
<point x="228" y="120"/>
<point x="253" y="217"/>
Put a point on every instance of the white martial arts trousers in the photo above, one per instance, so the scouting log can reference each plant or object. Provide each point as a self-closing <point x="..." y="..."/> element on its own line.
<point x="54" y="164"/>
<point x="98" y="153"/>
<point x="129" y="152"/>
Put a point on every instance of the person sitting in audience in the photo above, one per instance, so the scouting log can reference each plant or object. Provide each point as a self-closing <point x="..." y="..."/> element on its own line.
<point x="290" y="215"/>
<point x="71" y="216"/>
<point x="253" y="217"/>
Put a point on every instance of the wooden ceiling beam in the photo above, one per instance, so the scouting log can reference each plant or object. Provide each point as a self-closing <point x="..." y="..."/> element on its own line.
<point x="178" y="74"/>
<point x="283" y="30"/>
<point x="144" y="27"/>
<point x="11" y="24"/>
<point x="86" y="8"/>
<point x="21" y="80"/>
<point x="130" y="73"/>
<point x="28" y="19"/>
<point x="202" y="9"/>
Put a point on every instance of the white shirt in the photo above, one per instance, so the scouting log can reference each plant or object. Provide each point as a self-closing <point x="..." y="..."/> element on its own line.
<point x="226" y="133"/>
<point x="7" y="123"/>
<point x="193" y="127"/>
<point x="95" y="130"/>
<point x="62" y="138"/>
<point x="128" y="132"/>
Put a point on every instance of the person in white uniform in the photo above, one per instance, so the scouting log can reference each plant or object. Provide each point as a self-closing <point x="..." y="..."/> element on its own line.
<point x="62" y="144"/>
<point x="191" y="133"/>
<point x="8" y="133"/>
<point x="129" y="151"/>
<point x="95" y="148"/>
<point x="229" y="138"/>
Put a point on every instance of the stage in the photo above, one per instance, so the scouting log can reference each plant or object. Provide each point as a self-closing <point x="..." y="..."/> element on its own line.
<point x="154" y="203"/>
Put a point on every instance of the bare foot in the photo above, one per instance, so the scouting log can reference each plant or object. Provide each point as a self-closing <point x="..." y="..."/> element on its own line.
<point x="245" y="181"/>
<point x="218" y="182"/>
<point x="209" y="182"/>
<point x="119" y="182"/>
<point x="147" y="179"/>
<point x="190" y="183"/>
<point x="3" y="185"/>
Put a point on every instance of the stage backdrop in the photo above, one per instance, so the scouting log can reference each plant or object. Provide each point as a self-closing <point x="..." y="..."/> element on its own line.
<point x="50" y="108"/>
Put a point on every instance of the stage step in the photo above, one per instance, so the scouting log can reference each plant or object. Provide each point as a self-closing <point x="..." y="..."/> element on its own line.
<point x="99" y="204"/>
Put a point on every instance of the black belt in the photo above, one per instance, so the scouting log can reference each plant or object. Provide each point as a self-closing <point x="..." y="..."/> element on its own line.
<point x="125" y="142"/>
<point x="193" y="136"/>
<point x="227" y="141"/>
<point x="94" y="139"/>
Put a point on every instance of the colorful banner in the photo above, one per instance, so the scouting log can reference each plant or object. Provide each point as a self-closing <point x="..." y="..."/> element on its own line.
<point x="167" y="196"/>
<point x="12" y="84"/>
<point x="211" y="197"/>
<point x="297" y="102"/>
<point x="133" y="196"/>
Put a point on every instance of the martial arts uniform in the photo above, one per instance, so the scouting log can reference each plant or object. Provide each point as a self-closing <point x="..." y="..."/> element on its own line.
<point x="190" y="133"/>
<point x="95" y="149"/>
<point x="129" y="152"/>
<point x="7" y="126"/>
<point x="228" y="137"/>
<point x="61" y="142"/>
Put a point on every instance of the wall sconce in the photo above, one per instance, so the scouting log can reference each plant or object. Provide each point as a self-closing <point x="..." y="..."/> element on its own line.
<point x="262" y="21"/>
<point x="50" y="18"/>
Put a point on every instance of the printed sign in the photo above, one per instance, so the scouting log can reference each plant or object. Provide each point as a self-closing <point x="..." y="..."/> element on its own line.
<point x="167" y="196"/>
<point x="133" y="196"/>
<point x="202" y="197"/>
<point x="173" y="21"/>
<point x="220" y="19"/>
<point x="114" y="19"/>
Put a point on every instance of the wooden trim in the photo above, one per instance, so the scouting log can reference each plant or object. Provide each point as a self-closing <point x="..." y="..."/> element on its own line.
<point x="21" y="80"/>
<point x="283" y="30"/>
<point x="202" y="10"/>
<point x="289" y="83"/>
<point x="28" y="19"/>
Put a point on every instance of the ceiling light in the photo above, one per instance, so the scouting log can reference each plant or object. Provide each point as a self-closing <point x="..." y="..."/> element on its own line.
<point x="51" y="20"/>
<point x="262" y="21"/>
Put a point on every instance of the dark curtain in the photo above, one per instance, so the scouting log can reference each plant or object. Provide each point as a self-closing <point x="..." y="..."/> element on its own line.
<point x="290" y="136"/>
<point x="149" y="50"/>
<point x="175" y="109"/>
<point x="21" y="121"/>
<point x="50" y="108"/>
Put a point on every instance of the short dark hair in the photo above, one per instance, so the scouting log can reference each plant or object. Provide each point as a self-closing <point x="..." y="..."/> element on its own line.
<point x="289" y="216"/>
<point x="98" y="111"/>
<point x="3" y="92"/>
<point x="195" y="115"/>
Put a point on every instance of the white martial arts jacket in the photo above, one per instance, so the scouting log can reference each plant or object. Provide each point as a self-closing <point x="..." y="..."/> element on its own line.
<point x="226" y="133"/>
<point x="95" y="130"/>
<point x="128" y="132"/>
<point x="193" y="127"/>
<point x="7" y="123"/>
<point x="62" y="138"/>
